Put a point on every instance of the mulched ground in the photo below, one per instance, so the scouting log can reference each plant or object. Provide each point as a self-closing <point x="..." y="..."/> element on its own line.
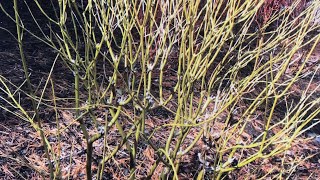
<point x="22" y="154"/>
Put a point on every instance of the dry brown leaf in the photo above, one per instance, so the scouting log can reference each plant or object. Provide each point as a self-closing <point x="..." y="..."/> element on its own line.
<point x="149" y="154"/>
<point x="68" y="117"/>
<point x="78" y="169"/>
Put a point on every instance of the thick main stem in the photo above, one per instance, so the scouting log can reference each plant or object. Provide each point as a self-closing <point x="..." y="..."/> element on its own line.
<point x="26" y="73"/>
